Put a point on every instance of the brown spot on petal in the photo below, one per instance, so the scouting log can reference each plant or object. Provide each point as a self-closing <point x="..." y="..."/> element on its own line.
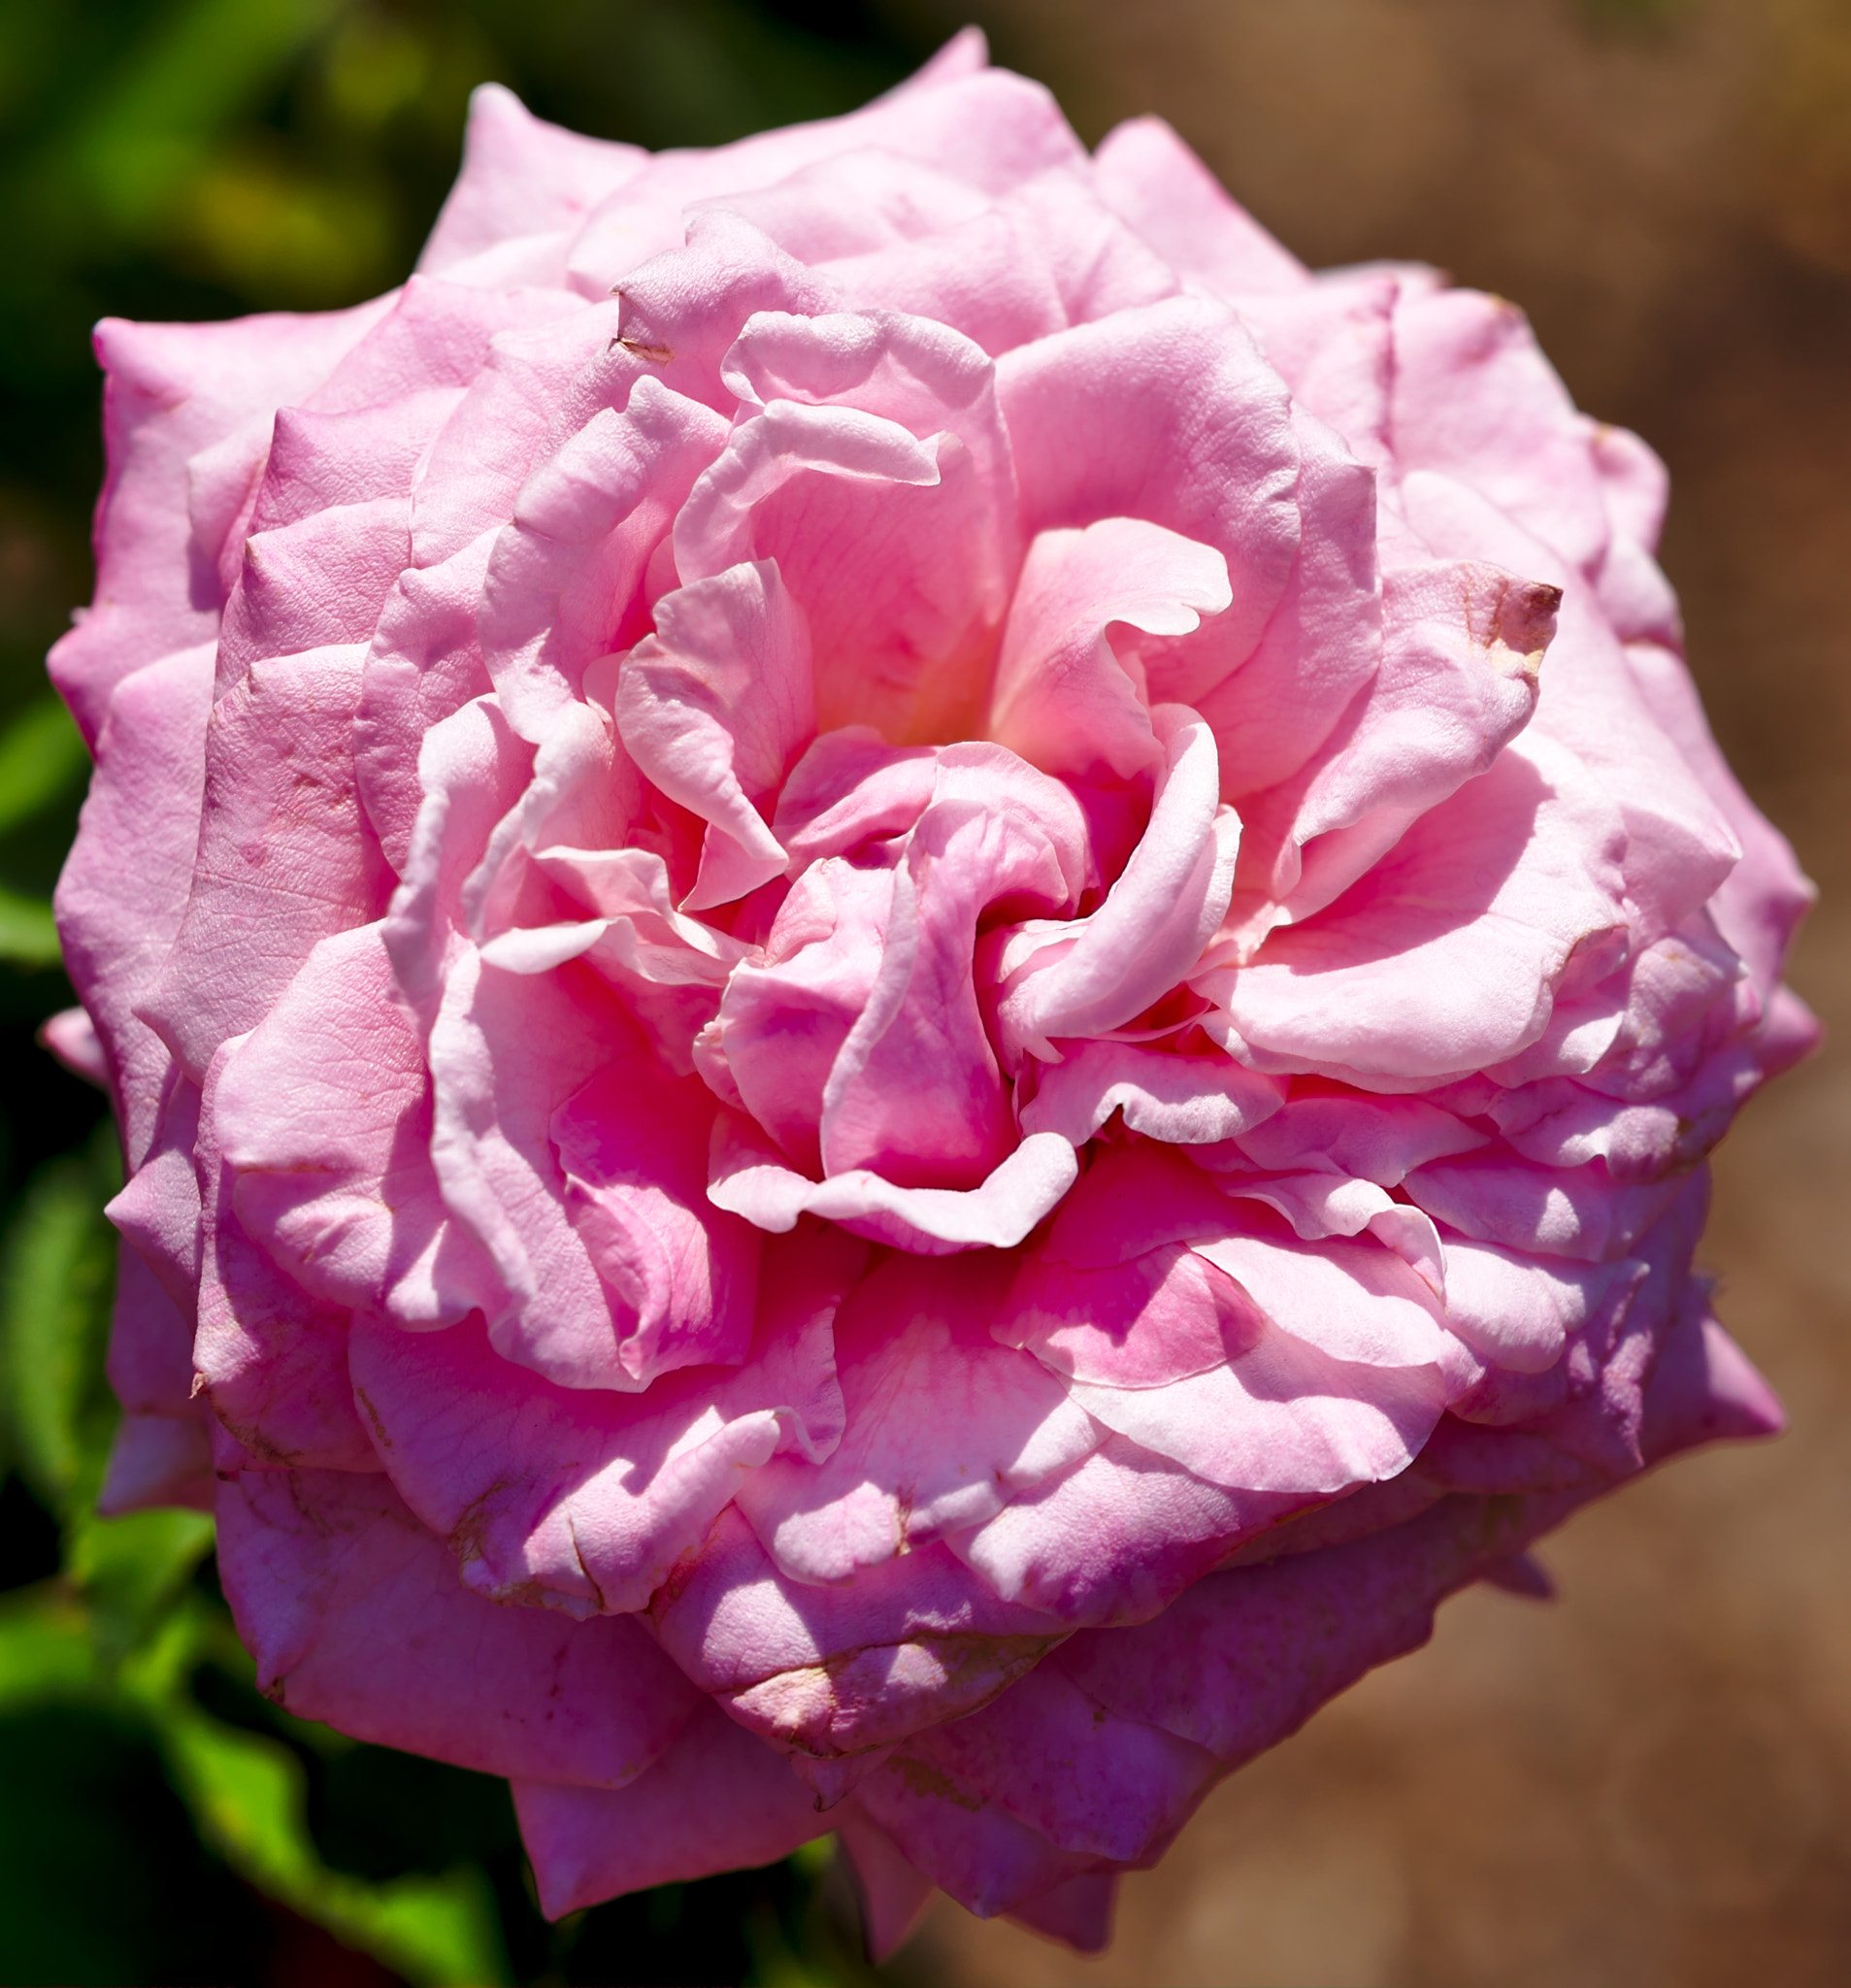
<point x="1517" y="616"/>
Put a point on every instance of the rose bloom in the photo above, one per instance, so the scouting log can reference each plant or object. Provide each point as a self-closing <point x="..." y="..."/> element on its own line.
<point x="915" y="981"/>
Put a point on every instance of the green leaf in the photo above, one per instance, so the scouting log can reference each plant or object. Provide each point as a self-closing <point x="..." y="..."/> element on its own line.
<point x="247" y="1799"/>
<point x="46" y="1648"/>
<point x="201" y="68"/>
<point x="131" y="1569"/>
<point x="56" y="1278"/>
<point x="28" y="937"/>
<point x="42" y="753"/>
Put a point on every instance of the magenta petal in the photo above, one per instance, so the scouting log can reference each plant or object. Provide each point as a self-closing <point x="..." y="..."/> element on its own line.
<point x="894" y="1895"/>
<point x="355" y="1615"/>
<point x="1087" y="1779"/>
<point x="985" y="1859"/>
<point x="717" y="1801"/>
<point x="1244" y="1657"/>
<point x="1078" y="1913"/>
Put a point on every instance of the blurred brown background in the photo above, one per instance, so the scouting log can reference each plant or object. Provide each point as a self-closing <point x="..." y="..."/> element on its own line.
<point x="1648" y="1783"/>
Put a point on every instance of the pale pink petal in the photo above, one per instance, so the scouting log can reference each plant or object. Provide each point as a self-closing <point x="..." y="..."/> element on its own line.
<point x="943" y="1425"/>
<point x="117" y="920"/>
<point x="713" y="709"/>
<point x="71" y="1036"/>
<point x="588" y="1497"/>
<point x="1101" y="970"/>
<point x="1164" y="1316"/>
<point x="536" y="383"/>
<point x="1283" y="1417"/>
<point x="520" y="177"/>
<point x="423" y="666"/>
<point x="832" y="1671"/>
<point x="1061" y="696"/>
<point x="1476" y="399"/>
<point x="1321" y="643"/>
<point x="1333" y="342"/>
<point x="1578" y="1212"/>
<point x="157" y="1212"/>
<point x="323" y="1116"/>
<point x="1448" y="954"/>
<point x="174" y="390"/>
<point x="271" y="1359"/>
<point x="1181" y="1100"/>
<point x="285" y="858"/>
<point x="1160" y="186"/>
<point x="747" y="1177"/>
<point x="1118" y="1536"/>
<point x="566" y="580"/>
<point x="852" y="203"/>
<point x="1461" y="646"/>
<point x="1353" y="1300"/>
<point x="1187" y="426"/>
<point x="506" y="1053"/>
<point x="1760" y="903"/>
<point x="1378" y="1139"/>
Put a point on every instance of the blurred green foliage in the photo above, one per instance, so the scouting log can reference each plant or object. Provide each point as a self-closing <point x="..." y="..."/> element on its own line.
<point x="159" y="1820"/>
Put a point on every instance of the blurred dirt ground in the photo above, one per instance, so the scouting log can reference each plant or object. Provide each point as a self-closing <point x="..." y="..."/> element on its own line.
<point x="1647" y="1783"/>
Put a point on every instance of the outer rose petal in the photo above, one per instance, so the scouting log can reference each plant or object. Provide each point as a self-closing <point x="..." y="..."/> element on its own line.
<point x="355" y="1615"/>
<point x="116" y="923"/>
<point x="715" y="1800"/>
<point x="839" y="1671"/>
<point x="1146" y="172"/>
<point x="589" y="1499"/>
<point x="323" y="1116"/>
<point x="520" y="177"/>
<point x="175" y="389"/>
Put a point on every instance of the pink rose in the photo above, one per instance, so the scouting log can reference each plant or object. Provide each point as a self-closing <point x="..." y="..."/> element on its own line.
<point x="916" y="980"/>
